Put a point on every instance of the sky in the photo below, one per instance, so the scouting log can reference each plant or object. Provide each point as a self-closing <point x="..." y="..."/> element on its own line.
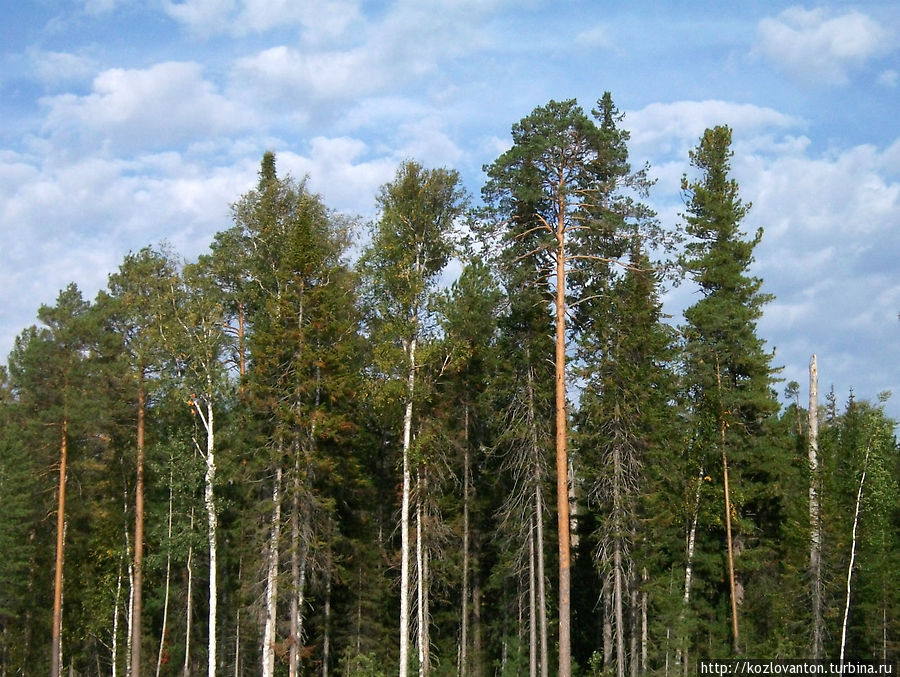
<point x="124" y="123"/>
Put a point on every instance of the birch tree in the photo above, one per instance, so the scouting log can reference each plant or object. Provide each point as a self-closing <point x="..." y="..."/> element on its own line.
<point x="412" y="241"/>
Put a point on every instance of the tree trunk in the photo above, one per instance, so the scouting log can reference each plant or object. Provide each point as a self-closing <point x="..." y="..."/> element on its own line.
<point x="424" y="639"/>
<point x="618" y="564"/>
<point x="326" y="623"/>
<point x="296" y="556"/>
<point x="189" y="610"/>
<point x="213" y="521"/>
<point x="268" y="652"/>
<point x="856" y="512"/>
<point x="56" y="643"/>
<point x="162" y="633"/>
<point x="463" y="667"/>
<point x="539" y="523"/>
<point x="114" y="658"/>
<point x="815" y="521"/>
<point x="138" y="533"/>
<point x="688" y="576"/>
<point x="735" y="647"/>
<point x="562" y="460"/>
<point x="404" y="514"/>
<point x="532" y="603"/>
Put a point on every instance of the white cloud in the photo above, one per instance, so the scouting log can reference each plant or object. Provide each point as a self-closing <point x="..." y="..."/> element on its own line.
<point x="165" y="104"/>
<point x="815" y="46"/>
<point x="598" y="37"/>
<point x="58" y="68"/>
<point x="664" y="129"/>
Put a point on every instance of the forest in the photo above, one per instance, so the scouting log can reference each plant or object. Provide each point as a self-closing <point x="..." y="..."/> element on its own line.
<point x="464" y="438"/>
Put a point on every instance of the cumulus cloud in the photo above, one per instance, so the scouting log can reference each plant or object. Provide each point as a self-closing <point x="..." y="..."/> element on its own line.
<point x="664" y="129"/>
<point x="153" y="108"/>
<point x="318" y="20"/>
<point x="817" y="47"/>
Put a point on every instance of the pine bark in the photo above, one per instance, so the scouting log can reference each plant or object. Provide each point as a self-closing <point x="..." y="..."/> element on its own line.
<point x="562" y="461"/>
<point x="56" y="644"/>
<point x="138" y="533"/>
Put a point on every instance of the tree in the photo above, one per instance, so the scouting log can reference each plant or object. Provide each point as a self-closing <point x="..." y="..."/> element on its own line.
<point x="727" y="369"/>
<point x="559" y="198"/>
<point x="136" y="311"/>
<point x="412" y="242"/>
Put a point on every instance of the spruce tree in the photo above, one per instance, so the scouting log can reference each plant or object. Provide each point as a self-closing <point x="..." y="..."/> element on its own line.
<point x="727" y="369"/>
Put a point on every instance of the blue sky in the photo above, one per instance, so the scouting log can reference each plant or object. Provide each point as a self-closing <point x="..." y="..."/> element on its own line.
<point x="125" y="123"/>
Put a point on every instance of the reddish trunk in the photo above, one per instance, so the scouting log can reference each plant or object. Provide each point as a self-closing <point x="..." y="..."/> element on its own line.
<point x="55" y="667"/>
<point x="562" y="460"/>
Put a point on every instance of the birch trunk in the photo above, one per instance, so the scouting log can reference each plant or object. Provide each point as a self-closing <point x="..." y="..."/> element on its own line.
<point x="115" y="629"/>
<point x="189" y="610"/>
<point x="815" y="521"/>
<point x="162" y="634"/>
<point x="856" y="512"/>
<point x="404" y="514"/>
<point x="688" y="575"/>
<point x="213" y="521"/>
<point x="268" y="652"/>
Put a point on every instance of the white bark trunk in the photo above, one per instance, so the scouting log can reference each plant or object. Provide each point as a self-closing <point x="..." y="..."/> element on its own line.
<point x="404" y="515"/>
<point x="268" y="653"/>
<point x="856" y="511"/>
<point x="162" y="634"/>
<point x="688" y="572"/>
<point x="815" y="523"/>
<point x="115" y="631"/>
<point x="189" y="611"/>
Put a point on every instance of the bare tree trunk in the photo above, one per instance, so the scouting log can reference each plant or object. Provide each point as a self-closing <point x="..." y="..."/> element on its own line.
<point x="815" y="522"/>
<point x="644" y="636"/>
<point x="238" y="668"/>
<point x="208" y="421"/>
<point x="297" y="596"/>
<point x="618" y="564"/>
<point x="607" y="628"/>
<point x="463" y="667"/>
<point x="115" y="630"/>
<point x="688" y="576"/>
<point x="138" y="533"/>
<point x="562" y="460"/>
<point x="539" y="523"/>
<point x="731" y="580"/>
<point x="268" y="652"/>
<point x="189" y="611"/>
<point x="532" y="603"/>
<point x="326" y="629"/>
<point x="404" y="514"/>
<point x="424" y="639"/>
<point x="856" y="512"/>
<point x="56" y="643"/>
<point x="162" y="634"/>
